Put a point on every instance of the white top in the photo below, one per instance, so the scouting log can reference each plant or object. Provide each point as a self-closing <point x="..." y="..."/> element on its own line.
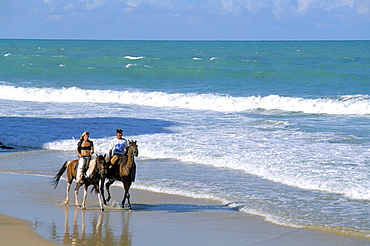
<point x="118" y="146"/>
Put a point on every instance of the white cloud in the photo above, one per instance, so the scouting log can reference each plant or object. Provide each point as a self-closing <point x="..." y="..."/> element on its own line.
<point x="361" y="7"/>
<point x="51" y="4"/>
<point x="364" y="9"/>
<point x="93" y="4"/>
<point x="55" y="17"/>
<point x="278" y="9"/>
<point x="133" y="3"/>
<point x="238" y="6"/>
<point x="72" y="5"/>
<point x="281" y="8"/>
<point x="230" y="6"/>
<point x="304" y="5"/>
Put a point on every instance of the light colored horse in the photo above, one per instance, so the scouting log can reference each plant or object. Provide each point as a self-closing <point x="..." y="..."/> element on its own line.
<point x="97" y="170"/>
<point x="124" y="171"/>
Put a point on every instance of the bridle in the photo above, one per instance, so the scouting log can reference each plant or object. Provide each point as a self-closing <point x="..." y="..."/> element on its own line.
<point x="101" y="165"/>
<point x="134" y="152"/>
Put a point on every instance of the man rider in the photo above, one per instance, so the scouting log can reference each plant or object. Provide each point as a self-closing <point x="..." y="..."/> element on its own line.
<point x="117" y="147"/>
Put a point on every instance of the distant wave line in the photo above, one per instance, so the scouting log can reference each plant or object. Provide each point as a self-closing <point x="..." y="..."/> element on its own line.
<point x="341" y="105"/>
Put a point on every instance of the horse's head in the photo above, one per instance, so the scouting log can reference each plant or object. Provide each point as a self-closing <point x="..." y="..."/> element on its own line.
<point x="133" y="148"/>
<point x="101" y="164"/>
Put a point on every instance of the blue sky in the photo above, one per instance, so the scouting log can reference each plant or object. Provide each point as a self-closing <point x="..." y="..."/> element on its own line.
<point x="186" y="19"/>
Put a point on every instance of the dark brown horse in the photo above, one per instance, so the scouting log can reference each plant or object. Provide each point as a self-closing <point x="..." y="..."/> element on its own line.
<point x="124" y="171"/>
<point x="97" y="169"/>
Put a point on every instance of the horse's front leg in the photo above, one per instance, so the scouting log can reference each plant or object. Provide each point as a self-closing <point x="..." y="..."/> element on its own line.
<point x="67" y="191"/>
<point x="76" y="194"/>
<point x="84" y="197"/>
<point x="100" y="198"/>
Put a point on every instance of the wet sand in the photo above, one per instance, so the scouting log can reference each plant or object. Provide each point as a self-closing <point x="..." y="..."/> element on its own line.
<point x="39" y="218"/>
<point x="19" y="232"/>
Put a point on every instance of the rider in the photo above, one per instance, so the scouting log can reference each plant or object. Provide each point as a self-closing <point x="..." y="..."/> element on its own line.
<point x="117" y="147"/>
<point x="85" y="148"/>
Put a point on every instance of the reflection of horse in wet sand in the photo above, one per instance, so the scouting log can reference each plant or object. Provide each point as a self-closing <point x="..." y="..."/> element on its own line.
<point x="124" y="171"/>
<point x="93" y="228"/>
<point x="93" y="175"/>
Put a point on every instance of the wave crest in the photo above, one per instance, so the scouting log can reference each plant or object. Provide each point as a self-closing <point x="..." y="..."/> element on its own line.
<point x="347" y="105"/>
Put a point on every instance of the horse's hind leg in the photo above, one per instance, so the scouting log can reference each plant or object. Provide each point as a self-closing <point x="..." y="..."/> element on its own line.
<point x="127" y="195"/>
<point x="100" y="198"/>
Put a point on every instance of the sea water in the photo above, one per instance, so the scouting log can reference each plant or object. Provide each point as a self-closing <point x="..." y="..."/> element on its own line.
<point x="276" y="129"/>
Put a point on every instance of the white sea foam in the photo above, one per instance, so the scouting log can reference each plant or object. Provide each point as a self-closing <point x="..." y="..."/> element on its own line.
<point x="130" y="65"/>
<point x="134" y="57"/>
<point x="100" y="145"/>
<point x="341" y="105"/>
<point x="296" y="167"/>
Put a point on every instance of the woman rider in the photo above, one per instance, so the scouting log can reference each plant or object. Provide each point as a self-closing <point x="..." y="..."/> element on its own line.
<point x="85" y="148"/>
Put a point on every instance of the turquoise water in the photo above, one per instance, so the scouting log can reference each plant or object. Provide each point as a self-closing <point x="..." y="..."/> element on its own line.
<point x="277" y="129"/>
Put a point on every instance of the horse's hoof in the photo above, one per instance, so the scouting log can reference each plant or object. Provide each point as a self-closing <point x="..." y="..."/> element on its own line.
<point x="65" y="202"/>
<point x="102" y="209"/>
<point x="83" y="208"/>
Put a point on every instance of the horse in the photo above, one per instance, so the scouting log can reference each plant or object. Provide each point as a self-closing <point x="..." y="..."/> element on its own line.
<point x="97" y="169"/>
<point x="124" y="171"/>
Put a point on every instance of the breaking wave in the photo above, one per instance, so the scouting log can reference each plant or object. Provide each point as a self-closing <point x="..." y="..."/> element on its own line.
<point x="341" y="105"/>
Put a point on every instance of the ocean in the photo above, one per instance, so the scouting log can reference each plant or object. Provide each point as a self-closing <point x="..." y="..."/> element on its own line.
<point x="277" y="129"/>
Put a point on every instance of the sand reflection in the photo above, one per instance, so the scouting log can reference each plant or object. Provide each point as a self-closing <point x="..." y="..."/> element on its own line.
<point x="86" y="227"/>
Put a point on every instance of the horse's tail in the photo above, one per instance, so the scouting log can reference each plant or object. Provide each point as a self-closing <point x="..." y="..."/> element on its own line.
<point x="59" y="175"/>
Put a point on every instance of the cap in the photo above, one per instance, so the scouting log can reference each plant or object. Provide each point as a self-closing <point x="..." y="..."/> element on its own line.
<point x="119" y="131"/>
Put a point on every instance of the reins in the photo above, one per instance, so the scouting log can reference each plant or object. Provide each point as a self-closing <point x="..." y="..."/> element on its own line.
<point x="132" y="152"/>
<point x="100" y="169"/>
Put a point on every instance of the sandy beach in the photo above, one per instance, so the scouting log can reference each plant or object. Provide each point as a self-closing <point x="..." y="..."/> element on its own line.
<point x="15" y="231"/>
<point x="37" y="217"/>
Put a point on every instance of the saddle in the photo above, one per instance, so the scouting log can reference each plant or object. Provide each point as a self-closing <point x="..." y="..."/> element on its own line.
<point x="88" y="168"/>
<point x="114" y="162"/>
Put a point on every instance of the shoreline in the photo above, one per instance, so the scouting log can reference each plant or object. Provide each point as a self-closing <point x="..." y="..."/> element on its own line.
<point x="157" y="219"/>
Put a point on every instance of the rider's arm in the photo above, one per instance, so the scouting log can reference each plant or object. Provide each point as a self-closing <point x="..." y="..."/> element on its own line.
<point x="78" y="151"/>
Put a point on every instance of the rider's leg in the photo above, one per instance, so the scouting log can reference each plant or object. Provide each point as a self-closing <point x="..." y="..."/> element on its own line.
<point x="81" y="163"/>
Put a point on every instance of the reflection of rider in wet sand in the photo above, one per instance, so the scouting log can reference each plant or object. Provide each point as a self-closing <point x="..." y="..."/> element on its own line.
<point x="85" y="148"/>
<point x="117" y="147"/>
